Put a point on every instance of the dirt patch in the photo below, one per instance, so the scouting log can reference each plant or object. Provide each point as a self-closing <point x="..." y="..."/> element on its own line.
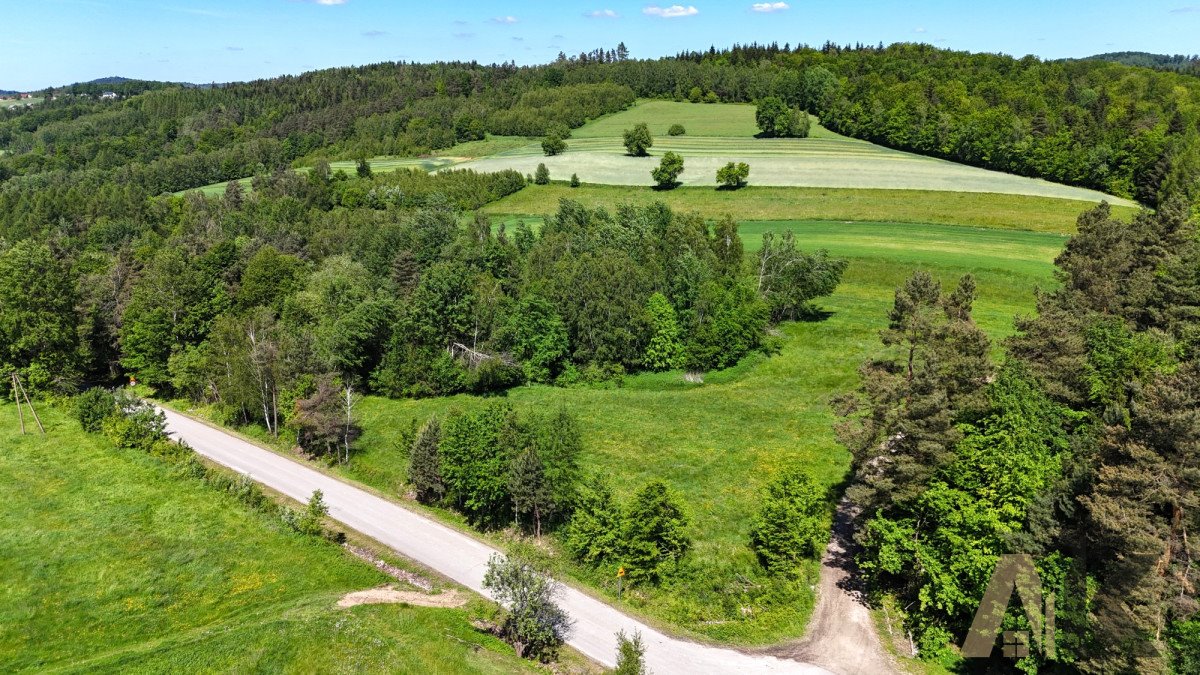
<point x="841" y="635"/>
<point x="389" y="595"/>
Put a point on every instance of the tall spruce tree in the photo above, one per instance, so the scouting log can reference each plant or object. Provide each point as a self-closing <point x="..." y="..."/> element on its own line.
<point x="424" y="464"/>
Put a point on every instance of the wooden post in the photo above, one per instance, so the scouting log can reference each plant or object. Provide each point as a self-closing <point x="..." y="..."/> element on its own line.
<point x="17" y="398"/>
<point x="30" y="403"/>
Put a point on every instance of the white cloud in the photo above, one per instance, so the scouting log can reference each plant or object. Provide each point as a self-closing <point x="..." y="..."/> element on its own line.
<point x="919" y="29"/>
<point x="672" y="12"/>
<point x="507" y="20"/>
<point x="768" y="7"/>
<point x="602" y="14"/>
<point x="331" y="2"/>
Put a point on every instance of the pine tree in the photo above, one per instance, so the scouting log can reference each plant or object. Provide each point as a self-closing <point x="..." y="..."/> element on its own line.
<point x="531" y="496"/>
<point x="655" y="533"/>
<point x="901" y="423"/>
<point x="1145" y="502"/>
<point x="424" y="464"/>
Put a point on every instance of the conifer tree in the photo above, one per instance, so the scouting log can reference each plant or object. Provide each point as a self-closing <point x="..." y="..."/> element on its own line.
<point x="424" y="464"/>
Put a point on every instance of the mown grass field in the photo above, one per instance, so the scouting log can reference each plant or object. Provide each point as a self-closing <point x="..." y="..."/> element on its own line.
<point x="439" y="160"/>
<point x="721" y="133"/>
<point x="721" y="441"/>
<point x="113" y="564"/>
<point x="974" y="209"/>
<point x="15" y="103"/>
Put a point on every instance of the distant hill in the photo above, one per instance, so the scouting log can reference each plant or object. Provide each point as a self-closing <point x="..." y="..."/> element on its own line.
<point x="113" y="79"/>
<point x="7" y="92"/>
<point x="1182" y="63"/>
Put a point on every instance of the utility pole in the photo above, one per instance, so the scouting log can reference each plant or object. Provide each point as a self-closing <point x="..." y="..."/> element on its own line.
<point x="17" y="397"/>
<point x="18" y="387"/>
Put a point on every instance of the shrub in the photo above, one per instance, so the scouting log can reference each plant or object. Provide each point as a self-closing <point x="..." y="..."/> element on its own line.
<point x="137" y="424"/>
<point x="733" y="175"/>
<point x="592" y="536"/>
<point x="791" y="524"/>
<point x="696" y="94"/>
<point x="631" y="654"/>
<point x="553" y="145"/>
<point x="667" y="173"/>
<point x="93" y="407"/>
<point x="676" y="130"/>
<point x="542" y="175"/>
<point x="574" y="180"/>
<point x="533" y="624"/>
<point x="711" y="97"/>
<point x="638" y="140"/>
<point x="309" y="520"/>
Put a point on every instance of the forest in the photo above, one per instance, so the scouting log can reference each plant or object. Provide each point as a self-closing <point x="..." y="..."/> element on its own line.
<point x="1079" y="446"/>
<point x="1128" y="131"/>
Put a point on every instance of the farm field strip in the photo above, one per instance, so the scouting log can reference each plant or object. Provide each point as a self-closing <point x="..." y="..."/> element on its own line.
<point x="759" y="203"/>
<point x="722" y="133"/>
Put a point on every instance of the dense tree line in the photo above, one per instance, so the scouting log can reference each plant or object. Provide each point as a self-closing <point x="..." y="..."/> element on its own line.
<point x="1126" y="130"/>
<point x="265" y="302"/>
<point x="1079" y="448"/>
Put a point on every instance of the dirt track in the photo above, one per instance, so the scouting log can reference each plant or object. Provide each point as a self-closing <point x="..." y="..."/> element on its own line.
<point x="841" y="636"/>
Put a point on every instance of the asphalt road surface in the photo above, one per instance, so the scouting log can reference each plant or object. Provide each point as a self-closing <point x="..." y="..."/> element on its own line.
<point x="463" y="558"/>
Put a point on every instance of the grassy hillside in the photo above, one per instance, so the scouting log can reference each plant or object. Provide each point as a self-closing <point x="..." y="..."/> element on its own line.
<point x="720" y="133"/>
<point x="111" y="563"/>
<point x="719" y="442"/>
<point x="975" y="209"/>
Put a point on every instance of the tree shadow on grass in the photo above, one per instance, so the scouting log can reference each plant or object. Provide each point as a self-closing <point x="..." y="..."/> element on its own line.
<point x="815" y="315"/>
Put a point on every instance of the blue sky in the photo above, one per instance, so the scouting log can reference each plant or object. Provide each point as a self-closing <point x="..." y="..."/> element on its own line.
<point x="52" y="42"/>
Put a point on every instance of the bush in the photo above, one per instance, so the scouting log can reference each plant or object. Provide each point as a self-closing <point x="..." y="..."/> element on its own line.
<point x="733" y="175"/>
<point x="553" y="145"/>
<point x="638" y="140"/>
<point x="93" y="407"/>
<point x="791" y="525"/>
<point x="309" y="521"/>
<point x="542" y="175"/>
<point x="631" y="654"/>
<point x="711" y="97"/>
<point x="492" y="376"/>
<point x="676" y="130"/>
<point x="696" y="94"/>
<point x="667" y="173"/>
<point x="533" y="624"/>
<point x="574" y="180"/>
<point x="137" y="424"/>
<point x="592" y="536"/>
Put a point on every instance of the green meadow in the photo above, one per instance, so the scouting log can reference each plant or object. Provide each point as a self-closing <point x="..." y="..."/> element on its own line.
<point x="719" y="442"/>
<point x="756" y="203"/>
<point x="112" y="563"/>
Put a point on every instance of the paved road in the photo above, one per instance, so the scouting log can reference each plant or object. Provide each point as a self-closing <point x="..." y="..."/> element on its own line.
<point x="461" y="557"/>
